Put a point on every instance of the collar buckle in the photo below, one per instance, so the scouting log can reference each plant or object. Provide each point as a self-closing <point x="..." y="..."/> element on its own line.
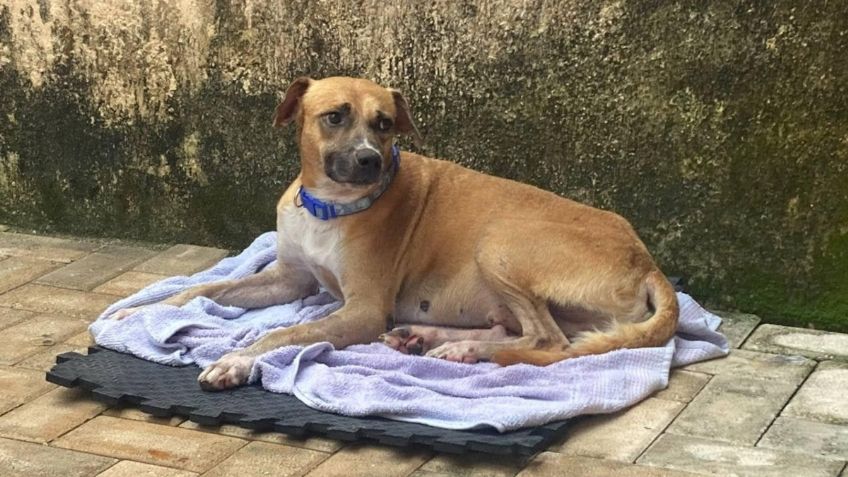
<point x="317" y="208"/>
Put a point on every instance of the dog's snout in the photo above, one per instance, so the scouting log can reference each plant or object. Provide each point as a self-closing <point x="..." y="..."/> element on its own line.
<point x="368" y="159"/>
<point x="354" y="166"/>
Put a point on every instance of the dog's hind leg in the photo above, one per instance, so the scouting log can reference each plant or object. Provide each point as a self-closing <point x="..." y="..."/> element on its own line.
<point x="601" y="267"/>
<point x="418" y="339"/>
<point x="540" y="332"/>
<point x="512" y="283"/>
<point x="530" y="264"/>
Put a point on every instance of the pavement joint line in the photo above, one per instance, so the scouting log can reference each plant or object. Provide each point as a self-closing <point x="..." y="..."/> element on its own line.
<point x="788" y="400"/>
<point x="245" y="442"/>
<point x="55" y="286"/>
<point x="421" y="465"/>
<point x="32" y="280"/>
<point x="31" y="354"/>
<point x="13" y="323"/>
<point x="682" y="409"/>
<point x="19" y="404"/>
<point x="117" y="461"/>
<point x="162" y="464"/>
<point x="750" y="334"/>
<point x="31" y="398"/>
<point x="51" y="441"/>
<point x="214" y="430"/>
<point x="327" y="456"/>
<point x="758" y="378"/>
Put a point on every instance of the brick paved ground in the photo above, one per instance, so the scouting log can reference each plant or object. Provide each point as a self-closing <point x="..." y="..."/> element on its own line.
<point x="776" y="406"/>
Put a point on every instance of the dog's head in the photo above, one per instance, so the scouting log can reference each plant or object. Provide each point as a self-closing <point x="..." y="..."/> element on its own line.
<point x="346" y="128"/>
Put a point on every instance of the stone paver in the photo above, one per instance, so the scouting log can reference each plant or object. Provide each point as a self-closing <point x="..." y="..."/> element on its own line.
<point x="709" y="457"/>
<point x="470" y="465"/>
<point x="549" y="464"/>
<point x="733" y="409"/>
<point x="716" y="417"/>
<point x="18" y="386"/>
<point x="182" y="260"/>
<point x="138" y="415"/>
<point x="368" y="461"/>
<point x="44" y="248"/>
<point x="128" y="283"/>
<point x="128" y="468"/>
<point x="150" y="443"/>
<point x="752" y="364"/>
<point x="36" y="334"/>
<point x="96" y="268"/>
<point x="815" y="344"/>
<point x="11" y="316"/>
<point x="621" y="436"/>
<point x="683" y="386"/>
<point x="46" y="359"/>
<point x="810" y="437"/>
<point x="314" y="443"/>
<point x="82" y="338"/>
<point x="49" y="299"/>
<point x="23" y="459"/>
<point x="49" y="416"/>
<point x="737" y="326"/>
<point x="16" y="271"/>
<point x="824" y="396"/>
<point x="262" y="458"/>
<point x="7" y="404"/>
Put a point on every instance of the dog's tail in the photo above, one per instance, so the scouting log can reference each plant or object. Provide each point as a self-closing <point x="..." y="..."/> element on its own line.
<point x="655" y="331"/>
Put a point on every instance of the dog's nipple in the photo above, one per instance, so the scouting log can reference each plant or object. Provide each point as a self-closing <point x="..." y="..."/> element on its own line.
<point x="425" y="305"/>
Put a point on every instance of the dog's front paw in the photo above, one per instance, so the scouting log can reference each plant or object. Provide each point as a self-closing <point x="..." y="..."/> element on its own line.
<point x="456" y="351"/>
<point x="230" y="371"/>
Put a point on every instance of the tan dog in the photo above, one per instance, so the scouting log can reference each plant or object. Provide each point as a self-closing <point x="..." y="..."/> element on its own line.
<point x="481" y="267"/>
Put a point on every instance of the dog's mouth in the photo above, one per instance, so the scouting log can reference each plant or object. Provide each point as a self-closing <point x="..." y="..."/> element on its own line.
<point x="350" y="169"/>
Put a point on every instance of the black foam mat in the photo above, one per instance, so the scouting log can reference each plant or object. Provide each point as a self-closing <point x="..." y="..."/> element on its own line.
<point x="119" y="379"/>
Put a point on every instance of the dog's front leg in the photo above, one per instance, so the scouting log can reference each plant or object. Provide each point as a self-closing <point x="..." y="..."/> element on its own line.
<point x="275" y="285"/>
<point x="356" y="322"/>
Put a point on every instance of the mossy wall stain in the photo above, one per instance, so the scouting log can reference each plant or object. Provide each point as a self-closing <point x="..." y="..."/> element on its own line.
<point x="720" y="129"/>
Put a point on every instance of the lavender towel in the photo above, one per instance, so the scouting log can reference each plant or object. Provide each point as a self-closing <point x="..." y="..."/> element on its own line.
<point x="372" y="379"/>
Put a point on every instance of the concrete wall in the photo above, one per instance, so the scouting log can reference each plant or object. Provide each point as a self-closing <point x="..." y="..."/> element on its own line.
<point x="719" y="128"/>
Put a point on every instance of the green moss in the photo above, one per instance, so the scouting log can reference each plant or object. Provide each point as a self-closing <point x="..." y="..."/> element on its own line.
<point x="718" y="129"/>
<point x="820" y="303"/>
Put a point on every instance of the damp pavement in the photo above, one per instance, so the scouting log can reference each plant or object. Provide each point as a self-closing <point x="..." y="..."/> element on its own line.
<point x="776" y="406"/>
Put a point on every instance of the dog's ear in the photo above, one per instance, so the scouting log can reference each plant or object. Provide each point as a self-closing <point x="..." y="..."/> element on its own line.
<point x="403" y="118"/>
<point x="287" y="109"/>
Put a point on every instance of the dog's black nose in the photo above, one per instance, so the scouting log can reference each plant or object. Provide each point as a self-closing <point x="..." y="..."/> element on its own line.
<point x="368" y="159"/>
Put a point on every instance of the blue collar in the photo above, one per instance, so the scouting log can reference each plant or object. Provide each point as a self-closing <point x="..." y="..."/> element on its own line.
<point x="331" y="210"/>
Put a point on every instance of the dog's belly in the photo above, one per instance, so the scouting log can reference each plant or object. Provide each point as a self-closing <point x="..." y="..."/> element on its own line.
<point x="458" y="303"/>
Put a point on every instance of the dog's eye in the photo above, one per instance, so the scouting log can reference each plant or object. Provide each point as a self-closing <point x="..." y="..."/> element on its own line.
<point x="334" y="118"/>
<point x="384" y="124"/>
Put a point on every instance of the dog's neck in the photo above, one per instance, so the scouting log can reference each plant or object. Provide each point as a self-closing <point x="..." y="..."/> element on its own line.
<point x="327" y="210"/>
